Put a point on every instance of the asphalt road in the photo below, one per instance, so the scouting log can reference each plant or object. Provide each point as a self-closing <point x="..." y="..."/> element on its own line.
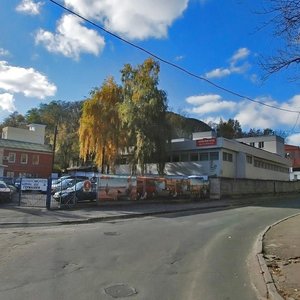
<point x="197" y="255"/>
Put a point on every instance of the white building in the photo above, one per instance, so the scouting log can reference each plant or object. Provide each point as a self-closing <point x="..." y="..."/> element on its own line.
<point x="34" y="134"/>
<point x="208" y="155"/>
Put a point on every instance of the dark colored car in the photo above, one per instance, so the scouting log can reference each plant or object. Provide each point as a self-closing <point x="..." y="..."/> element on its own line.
<point x="76" y="193"/>
<point x="5" y="192"/>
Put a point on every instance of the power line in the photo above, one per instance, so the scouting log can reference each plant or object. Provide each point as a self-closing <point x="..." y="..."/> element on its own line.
<point x="229" y="91"/>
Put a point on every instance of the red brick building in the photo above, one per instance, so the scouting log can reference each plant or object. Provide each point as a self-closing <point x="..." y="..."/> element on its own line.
<point x="23" y="159"/>
<point x="24" y="154"/>
<point x="293" y="153"/>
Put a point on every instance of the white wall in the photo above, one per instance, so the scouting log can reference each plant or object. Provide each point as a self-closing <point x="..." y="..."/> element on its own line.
<point x="35" y="135"/>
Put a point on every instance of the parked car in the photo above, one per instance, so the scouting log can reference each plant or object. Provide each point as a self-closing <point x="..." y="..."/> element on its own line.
<point x="66" y="183"/>
<point x="76" y="193"/>
<point x="60" y="179"/>
<point x="5" y="192"/>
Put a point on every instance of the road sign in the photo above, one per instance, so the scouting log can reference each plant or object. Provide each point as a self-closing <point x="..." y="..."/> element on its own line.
<point x="87" y="186"/>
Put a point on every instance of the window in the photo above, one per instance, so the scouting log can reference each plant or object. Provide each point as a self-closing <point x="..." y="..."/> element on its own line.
<point x="261" y="145"/>
<point x="204" y="156"/>
<point x="214" y="155"/>
<point x="10" y="174"/>
<point x="175" y="158"/>
<point x="24" y="158"/>
<point x="11" y="157"/>
<point x="35" y="159"/>
<point x="184" y="157"/>
<point x="252" y="144"/>
<point x="194" y="156"/>
<point x="227" y="156"/>
<point x="249" y="159"/>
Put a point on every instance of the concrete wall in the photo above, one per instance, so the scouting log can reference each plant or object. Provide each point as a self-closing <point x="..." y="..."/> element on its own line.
<point x="35" y="134"/>
<point x="227" y="187"/>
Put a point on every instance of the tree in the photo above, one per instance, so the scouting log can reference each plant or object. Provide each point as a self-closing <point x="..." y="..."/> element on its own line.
<point x="15" y="119"/>
<point x="230" y="129"/>
<point x="285" y="17"/>
<point x="143" y="114"/>
<point x="100" y="135"/>
<point x="65" y="117"/>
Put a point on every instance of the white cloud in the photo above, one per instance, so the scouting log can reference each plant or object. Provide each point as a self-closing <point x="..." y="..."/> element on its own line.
<point x="29" y="82"/>
<point x="293" y="139"/>
<point x="7" y="102"/>
<point x="240" y="54"/>
<point x="202" y="99"/>
<point x="179" y="57"/>
<point x="29" y="7"/>
<point x="212" y="107"/>
<point x="4" y="52"/>
<point x="218" y="73"/>
<point x="71" y="38"/>
<point x="133" y="19"/>
<point x="209" y="104"/>
<point x="233" y="68"/>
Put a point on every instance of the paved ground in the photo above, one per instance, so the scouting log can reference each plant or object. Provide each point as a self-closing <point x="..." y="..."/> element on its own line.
<point x="281" y="246"/>
<point x="281" y="243"/>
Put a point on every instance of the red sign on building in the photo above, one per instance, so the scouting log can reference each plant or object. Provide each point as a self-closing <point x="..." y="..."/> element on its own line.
<point x="206" y="142"/>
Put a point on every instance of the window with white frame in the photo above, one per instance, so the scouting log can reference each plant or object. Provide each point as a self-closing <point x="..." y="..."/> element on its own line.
<point x="24" y="158"/>
<point x="11" y="157"/>
<point x="35" y="159"/>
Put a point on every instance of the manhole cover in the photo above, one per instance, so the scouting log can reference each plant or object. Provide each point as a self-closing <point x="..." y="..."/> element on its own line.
<point x="120" y="290"/>
<point x="111" y="233"/>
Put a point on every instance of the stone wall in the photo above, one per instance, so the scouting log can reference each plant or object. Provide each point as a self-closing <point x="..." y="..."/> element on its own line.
<point x="227" y="187"/>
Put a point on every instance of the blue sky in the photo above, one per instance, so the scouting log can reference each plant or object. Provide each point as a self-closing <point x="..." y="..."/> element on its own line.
<point x="47" y="54"/>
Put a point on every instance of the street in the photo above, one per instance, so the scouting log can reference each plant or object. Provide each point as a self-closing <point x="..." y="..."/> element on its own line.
<point x="193" y="255"/>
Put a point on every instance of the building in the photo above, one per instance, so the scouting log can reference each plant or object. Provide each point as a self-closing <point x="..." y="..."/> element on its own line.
<point x="23" y="152"/>
<point x="270" y="143"/>
<point x="293" y="153"/>
<point x="205" y="154"/>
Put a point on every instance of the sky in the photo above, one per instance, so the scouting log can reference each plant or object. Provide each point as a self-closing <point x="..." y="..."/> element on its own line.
<point x="49" y="54"/>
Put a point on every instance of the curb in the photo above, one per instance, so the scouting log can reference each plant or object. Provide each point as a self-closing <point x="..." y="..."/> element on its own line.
<point x="272" y="292"/>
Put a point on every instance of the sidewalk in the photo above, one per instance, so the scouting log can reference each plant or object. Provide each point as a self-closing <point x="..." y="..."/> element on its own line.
<point x="25" y="216"/>
<point x="281" y="250"/>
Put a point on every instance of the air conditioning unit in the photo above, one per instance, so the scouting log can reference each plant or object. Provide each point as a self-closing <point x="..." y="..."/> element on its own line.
<point x="5" y="157"/>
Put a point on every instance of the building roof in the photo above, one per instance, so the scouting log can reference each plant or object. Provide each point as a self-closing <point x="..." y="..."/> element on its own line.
<point x="4" y="143"/>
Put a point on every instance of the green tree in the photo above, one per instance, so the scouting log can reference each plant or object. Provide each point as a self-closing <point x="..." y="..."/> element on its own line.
<point x="15" y="119"/>
<point x="100" y="135"/>
<point x="230" y="129"/>
<point x="143" y="114"/>
<point x="65" y="117"/>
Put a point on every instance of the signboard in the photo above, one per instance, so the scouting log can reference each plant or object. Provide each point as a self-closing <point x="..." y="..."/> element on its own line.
<point x="206" y="142"/>
<point x="87" y="186"/>
<point x="34" y="184"/>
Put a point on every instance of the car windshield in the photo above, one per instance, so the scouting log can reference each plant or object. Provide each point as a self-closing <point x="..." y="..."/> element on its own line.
<point x="77" y="186"/>
<point x="2" y="185"/>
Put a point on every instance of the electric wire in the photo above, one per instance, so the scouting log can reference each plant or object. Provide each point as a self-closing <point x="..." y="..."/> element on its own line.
<point x="186" y="71"/>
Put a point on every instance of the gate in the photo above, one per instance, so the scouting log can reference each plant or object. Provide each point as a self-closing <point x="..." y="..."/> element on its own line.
<point x="33" y="192"/>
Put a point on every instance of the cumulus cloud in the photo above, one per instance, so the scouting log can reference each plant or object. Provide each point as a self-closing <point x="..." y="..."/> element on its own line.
<point x="133" y="19"/>
<point x="29" y="82"/>
<point x="7" y="102"/>
<point x="4" y="52"/>
<point x="29" y="7"/>
<point x="234" y="66"/>
<point x="240" y="54"/>
<point x="209" y="103"/>
<point x="212" y="107"/>
<point x="293" y="139"/>
<point x="71" y="38"/>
